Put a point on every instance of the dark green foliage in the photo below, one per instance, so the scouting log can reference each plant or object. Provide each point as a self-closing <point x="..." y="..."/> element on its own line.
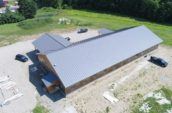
<point x="10" y="17"/>
<point x="35" y="23"/>
<point x="156" y="10"/>
<point x="27" y="8"/>
<point x="49" y="3"/>
<point x="165" y="10"/>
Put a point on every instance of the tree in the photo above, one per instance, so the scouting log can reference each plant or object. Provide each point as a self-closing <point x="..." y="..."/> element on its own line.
<point x="165" y="11"/>
<point x="27" y="8"/>
<point x="50" y="3"/>
<point x="60" y="3"/>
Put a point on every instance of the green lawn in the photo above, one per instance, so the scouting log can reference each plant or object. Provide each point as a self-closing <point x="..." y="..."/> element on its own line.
<point x="40" y="109"/>
<point x="10" y="33"/>
<point x="152" y="102"/>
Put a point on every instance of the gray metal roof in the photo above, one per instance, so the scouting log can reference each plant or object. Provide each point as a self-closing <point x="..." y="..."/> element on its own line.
<point x="48" y="43"/>
<point x="83" y="60"/>
<point x="104" y="31"/>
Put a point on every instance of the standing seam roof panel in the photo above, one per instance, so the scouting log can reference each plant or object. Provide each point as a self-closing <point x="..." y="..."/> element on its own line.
<point x="81" y="61"/>
<point x="48" y="43"/>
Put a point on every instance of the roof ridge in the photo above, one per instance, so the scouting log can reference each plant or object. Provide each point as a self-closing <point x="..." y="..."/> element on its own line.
<point x="54" y="39"/>
<point x="99" y="36"/>
<point x="95" y="38"/>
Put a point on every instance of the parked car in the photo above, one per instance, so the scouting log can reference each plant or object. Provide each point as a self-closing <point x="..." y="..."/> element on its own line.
<point x="82" y="30"/>
<point x="158" y="61"/>
<point x="67" y="38"/>
<point x="21" y="58"/>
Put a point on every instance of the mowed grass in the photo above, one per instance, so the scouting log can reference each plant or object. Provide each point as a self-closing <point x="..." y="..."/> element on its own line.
<point x="154" y="106"/>
<point x="40" y="109"/>
<point x="115" y="22"/>
<point x="10" y="33"/>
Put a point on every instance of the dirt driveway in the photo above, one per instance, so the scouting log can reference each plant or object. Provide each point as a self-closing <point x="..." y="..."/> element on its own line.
<point x="136" y="78"/>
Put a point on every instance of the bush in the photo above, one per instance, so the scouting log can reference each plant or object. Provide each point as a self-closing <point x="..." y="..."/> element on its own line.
<point x="10" y="17"/>
<point x="27" y="8"/>
<point x="35" y="23"/>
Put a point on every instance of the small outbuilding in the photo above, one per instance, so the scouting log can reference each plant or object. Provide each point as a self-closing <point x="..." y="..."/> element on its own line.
<point x="80" y="63"/>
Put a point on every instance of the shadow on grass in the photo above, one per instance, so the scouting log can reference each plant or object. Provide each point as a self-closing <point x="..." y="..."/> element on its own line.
<point x="35" y="75"/>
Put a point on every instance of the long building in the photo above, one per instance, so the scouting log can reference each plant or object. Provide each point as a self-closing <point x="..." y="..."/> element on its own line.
<point x="80" y="63"/>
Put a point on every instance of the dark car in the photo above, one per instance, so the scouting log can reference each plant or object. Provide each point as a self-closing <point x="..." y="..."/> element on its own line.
<point x="67" y="38"/>
<point x="21" y="58"/>
<point x="158" y="61"/>
<point x="82" y="30"/>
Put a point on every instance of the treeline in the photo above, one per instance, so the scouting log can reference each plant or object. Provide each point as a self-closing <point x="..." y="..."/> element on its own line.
<point x="155" y="10"/>
<point x="49" y="3"/>
<point x="26" y="10"/>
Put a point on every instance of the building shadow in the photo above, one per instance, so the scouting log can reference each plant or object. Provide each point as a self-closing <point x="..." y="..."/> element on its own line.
<point x="36" y="72"/>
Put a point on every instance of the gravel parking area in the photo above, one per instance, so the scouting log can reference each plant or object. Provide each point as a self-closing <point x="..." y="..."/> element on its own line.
<point x="22" y="75"/>
<point x="137" y="77"/>
<point x="19" y="73"/>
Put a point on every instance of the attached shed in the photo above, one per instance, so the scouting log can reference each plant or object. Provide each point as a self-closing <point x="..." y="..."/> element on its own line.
<point x="81" y="63"/>
<point x="48" y="43"/>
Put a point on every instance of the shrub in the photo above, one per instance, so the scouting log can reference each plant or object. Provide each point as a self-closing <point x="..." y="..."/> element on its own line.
<point x="27" y="8"/>
<point x="35" y="23"/>
<point x="10" y="17"/>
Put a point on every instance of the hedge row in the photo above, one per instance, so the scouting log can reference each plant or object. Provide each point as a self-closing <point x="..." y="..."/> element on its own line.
<point x="35" y="23"/>
<point x="156" y="10"/>
<point x="26" y="10"/>
<point x="10" y="17"/>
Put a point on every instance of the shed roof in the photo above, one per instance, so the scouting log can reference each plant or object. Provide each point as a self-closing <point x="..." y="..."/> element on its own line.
<point x="48" y="43"/>
<point x="83" y="60"/>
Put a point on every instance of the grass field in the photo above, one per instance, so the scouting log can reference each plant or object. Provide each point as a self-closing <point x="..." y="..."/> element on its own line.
<point x="153" y="103"/>
<point x="11" y="33"/>
<point x="40" y="109"/>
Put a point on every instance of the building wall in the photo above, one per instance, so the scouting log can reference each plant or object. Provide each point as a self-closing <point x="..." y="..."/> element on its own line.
<point x="104" y="72"/>
<point x="45" y="62"/>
